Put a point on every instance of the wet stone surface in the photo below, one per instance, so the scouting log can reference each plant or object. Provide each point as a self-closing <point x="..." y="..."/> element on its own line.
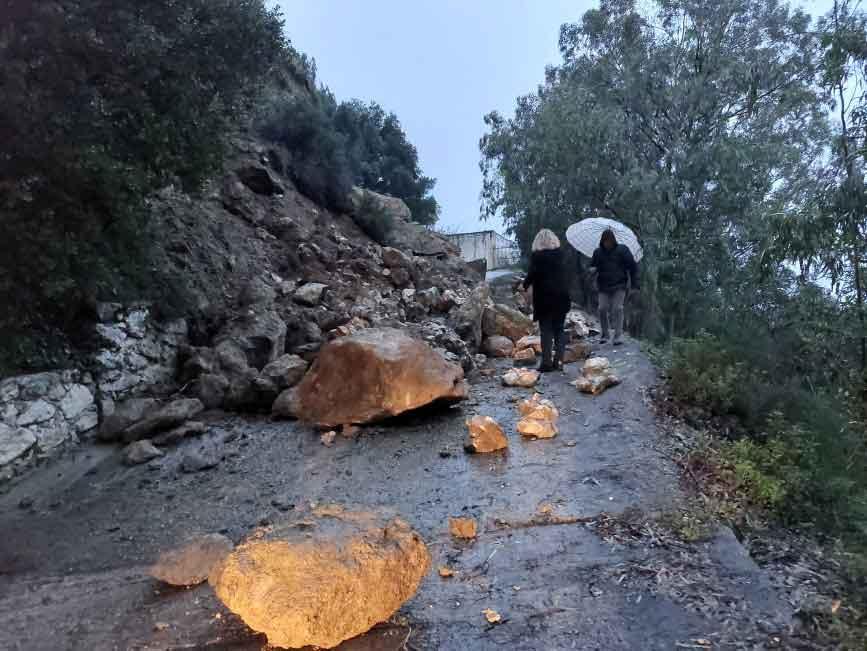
<point x="561" y="573"/>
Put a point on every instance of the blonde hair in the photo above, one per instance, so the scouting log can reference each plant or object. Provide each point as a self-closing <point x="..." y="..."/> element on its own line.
<point x="545" y="240"/>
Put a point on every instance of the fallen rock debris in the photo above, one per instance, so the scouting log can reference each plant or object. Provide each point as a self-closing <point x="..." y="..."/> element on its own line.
<point x="596" y="376"/>
<point x="521" y="377"/>
<point x="465" y="528"/>
<point x="191" y="564"/>
<point x="325" y="577"/>
<point x="539" y="418"/>
<point x="485" y="435"/>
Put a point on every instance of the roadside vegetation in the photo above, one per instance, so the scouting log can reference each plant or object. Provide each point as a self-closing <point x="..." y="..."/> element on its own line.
<point x="732" y="136"/>
<point x="105" y="103"/>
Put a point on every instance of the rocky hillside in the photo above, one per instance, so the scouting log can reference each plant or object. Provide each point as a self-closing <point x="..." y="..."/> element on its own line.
<point x="270" y="277"/>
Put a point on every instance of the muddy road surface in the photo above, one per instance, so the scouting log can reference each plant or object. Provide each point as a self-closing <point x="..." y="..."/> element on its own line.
<point x="572" y="552"/>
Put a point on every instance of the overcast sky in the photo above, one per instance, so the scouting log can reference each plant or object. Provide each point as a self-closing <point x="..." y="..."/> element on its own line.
<point x="440" y="65"/>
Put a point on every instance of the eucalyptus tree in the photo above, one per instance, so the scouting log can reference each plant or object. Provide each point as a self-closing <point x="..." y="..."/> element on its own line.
<point x="689" y="121"/>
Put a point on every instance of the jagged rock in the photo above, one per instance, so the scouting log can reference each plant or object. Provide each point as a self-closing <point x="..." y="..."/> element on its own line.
<point x="401" y="277"/>
<point x="285" y="372"/>
<point x="579" y="324"/>
<point x="171" y="415"/>
<point x="539" y="408"/>
<point x="447" y="301"/>
<point x="259" y="180"/>
<point x="485" y="435"/>
<point x="596" y="376"/>
<point x="211" y="389"/>
<point x="497" y="346"/>
<point x="140" y="452"/>
<point x="465" y="528"/>
<point x="467" y="319"/>
<point x="576" y="352"/>
<point x="325" y="578"/>
<point x="257" y="292"/>
<point x="178" y="434"/>
<point x="310" y="294"/>
<point x="14" y="443"/>
<point x="428" y="297"/>
<point x="286" y="404"/>
<point x="442" y="338"/>
<point x="530" y="341"/>
<point x="260" y="336"/>
<point x="204" y="457"/>
<point x="107" y="312"/>
<point x="191" y="564"/>
<point x="521" y="377"/>
<point x="524" y="355"/>
<point x="124" y="415"/>
<point x="537" y="429"/>
<point x="404" y="235"/>
<point x="37" y="412"/>
<point x="507" y="322"/>
<point x="373" y="375"/>
<point x="394" y="259"/>
<point x="76" y="401"/>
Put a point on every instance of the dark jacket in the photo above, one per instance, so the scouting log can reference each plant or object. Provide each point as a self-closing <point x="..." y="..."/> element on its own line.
<point x="550" y="283"/>
<point x="614" y="267"/>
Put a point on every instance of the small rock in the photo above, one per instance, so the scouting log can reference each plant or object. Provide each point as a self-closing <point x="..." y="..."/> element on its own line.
<point x="173" y="414"/>
<point x="191" y="564"/>
<point x="140" y="452"/>
<point x="537" y="429"/>
<point x="498" y="346"/>
<point x="350" y="431"/>
<point x="524" y="355"/>
<point x="26" y="503"/>
<point x="576" y="352"/>
<point x="204" y="458"/>
<point x="445" y="572"/>
<point x="492" y="616"/>
<point x="465" y="528"/>
<point x="530" y="341"/>
<point x="310" y="294"/>
<point x="327" y="438"/>
<point x="485" y="435"/>
<point x="175" y="436"/>
<point x="521" y="377"/>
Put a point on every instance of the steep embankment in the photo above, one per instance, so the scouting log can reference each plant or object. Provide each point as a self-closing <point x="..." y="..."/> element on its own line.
<point x="268" y="277"/>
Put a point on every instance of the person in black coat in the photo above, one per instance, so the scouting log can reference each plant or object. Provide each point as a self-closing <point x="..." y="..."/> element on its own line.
<point x="551" y="302"/>
<point x="614" y="266"/>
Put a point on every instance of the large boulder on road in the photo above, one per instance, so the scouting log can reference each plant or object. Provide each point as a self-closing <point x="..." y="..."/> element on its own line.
<point x="372" y="375"/>
<point x="324" y="578"/>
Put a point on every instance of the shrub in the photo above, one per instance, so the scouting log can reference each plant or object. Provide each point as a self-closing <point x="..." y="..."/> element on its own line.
<point x="105" y="101"/>
<point x="374" y="220"/>
<point x="318" y="163"/>
<point x="703" y="372"/>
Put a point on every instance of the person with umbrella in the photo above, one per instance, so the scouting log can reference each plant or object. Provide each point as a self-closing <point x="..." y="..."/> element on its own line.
<point x="614" y="264"/>
<point x="551" y="302"/>
<point x="615" y="261"/>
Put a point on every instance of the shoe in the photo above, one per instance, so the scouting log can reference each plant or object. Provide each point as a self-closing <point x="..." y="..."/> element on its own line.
<point x="603" y="340"/>
<point x="618" y="342"/>
<point x="545" y="368"/>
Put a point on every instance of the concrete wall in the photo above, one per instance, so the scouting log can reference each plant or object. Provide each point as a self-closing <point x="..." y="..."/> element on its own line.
<point x="487" y="245"/>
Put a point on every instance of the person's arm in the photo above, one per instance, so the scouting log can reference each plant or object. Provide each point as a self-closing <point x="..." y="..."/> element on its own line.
<point x="531" y="272"/>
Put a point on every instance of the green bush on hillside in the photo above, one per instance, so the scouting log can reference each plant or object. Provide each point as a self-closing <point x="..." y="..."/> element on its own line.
<point x="105" y="101"/>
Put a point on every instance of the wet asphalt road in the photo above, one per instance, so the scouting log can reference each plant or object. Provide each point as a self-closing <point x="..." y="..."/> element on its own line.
<point x="73" y="566"/>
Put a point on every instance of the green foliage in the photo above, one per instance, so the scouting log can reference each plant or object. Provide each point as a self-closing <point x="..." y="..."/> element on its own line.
<point x="335" y="146"/>
<point x="705" y="373"/>
<point x="374" y="220"/>
<point x="318" y="162"/>
<point x="105" y="102"/>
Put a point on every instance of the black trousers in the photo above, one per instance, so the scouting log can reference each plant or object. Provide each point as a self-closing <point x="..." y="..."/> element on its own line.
<point x="553" y="337"/>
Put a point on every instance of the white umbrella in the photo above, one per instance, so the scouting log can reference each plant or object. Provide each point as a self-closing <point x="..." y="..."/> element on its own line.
<point x="585" y="236"/>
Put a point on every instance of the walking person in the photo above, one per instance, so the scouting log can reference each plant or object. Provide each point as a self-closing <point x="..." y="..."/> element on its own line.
<point x="615" y="267"/>
<point x="551" y="302"/>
